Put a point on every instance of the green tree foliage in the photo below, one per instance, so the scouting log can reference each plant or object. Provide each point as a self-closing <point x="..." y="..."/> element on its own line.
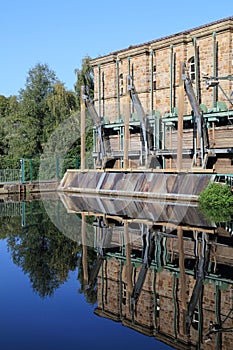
<point x="41" y="251"/>
<point x="3" y="108"/>
<point x="216" y="201"/>
<point x="11" y="125"/>
<point x="61" y="104"/>
<point x="28" y="120"/>
<point x="34" y="108"/>
<point x="85" y="77"/>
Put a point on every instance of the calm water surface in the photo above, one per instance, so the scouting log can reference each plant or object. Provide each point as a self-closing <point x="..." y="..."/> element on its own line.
<point x="42" y="299"/>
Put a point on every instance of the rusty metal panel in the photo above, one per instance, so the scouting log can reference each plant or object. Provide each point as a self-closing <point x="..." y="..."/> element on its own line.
<point x="93" y="180"/>
<point x="109" y="181"/>
<point x="190" y="184"/>
<point x="139" y="183"/>
<point x="158" y="184"/>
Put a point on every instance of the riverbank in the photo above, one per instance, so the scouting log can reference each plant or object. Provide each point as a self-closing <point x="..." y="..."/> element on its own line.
<point x="20" y="188"/>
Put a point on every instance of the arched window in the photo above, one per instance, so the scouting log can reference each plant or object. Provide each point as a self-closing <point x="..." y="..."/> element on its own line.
<point x="191" y="63"/>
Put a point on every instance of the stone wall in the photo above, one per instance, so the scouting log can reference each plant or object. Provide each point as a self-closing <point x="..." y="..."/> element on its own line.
<point x="113" y="69"/>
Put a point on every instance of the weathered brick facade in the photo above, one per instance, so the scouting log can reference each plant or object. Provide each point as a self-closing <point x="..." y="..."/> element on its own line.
<point x="155" y="68"/>
<point x="161" y="309"/>
<point x="213" y="43"/>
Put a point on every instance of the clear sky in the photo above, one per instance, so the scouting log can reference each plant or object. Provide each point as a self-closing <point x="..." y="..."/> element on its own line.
<point x="61" y="33"/>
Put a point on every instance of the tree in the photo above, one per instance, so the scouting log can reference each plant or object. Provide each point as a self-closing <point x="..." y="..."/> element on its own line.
<point x="61" y="104"/>
<point x="3" y="108"/>
<point x="27" y="121"/>
<point x="42" y="252"/>
<point x="9" y="123"/>
<point x="33" y="108"/>
<point x="85" y="76"/>
<point x="216" y="201"/>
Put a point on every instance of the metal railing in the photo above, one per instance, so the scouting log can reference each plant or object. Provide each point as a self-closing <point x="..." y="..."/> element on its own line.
<point x="225" y="178"/>
<point x="10" y="175"/>
<point x="10" y="209"/>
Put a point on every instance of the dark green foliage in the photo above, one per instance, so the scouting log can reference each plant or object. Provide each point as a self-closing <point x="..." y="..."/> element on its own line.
<point x="216" y="201"/>
<point x="84" y="77"/>
<point x="37" y="119"/>
<point x="41" y="251"/>
<point x="9" y="163"/>
<point x="3" y="106"/>
<point x="34" y="108"/>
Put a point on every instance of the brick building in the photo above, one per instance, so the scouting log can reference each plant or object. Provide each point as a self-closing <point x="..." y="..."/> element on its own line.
<point x="155" y="69"/>
<point x="168" y="292"/>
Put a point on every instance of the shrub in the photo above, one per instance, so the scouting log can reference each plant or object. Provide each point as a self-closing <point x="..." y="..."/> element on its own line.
<point x="216" y="201"/>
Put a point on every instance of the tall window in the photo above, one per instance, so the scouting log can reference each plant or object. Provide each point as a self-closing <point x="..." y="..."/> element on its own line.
<point x="154" y="77"/>
<point x="121" y="83"/>
<point x="191" y="63"/>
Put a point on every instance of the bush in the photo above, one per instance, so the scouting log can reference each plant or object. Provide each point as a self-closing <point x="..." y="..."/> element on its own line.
<point x="216" y="201"/>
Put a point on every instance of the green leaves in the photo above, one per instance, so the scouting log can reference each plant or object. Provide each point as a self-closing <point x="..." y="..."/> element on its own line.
<point x="216" y="201"/>
<point x="28" y="122"/>
<point x="85" y="77"/>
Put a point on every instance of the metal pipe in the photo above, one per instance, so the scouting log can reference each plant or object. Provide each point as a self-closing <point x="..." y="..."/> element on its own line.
<point x="180" y="120"/>
<point x="118" y="89"/>
<point x="158" y="127"/>
<point x="171" y="78"/>
<point x="129" y="74"/>
<point x="103" y="95"/>
<point x="164" y="143"/>
<point x="151" y="81"/>
<point x="214" y="69"/>
<point x="99" y="90"/>
<point x="196" y="68"/>
<point x="83" y="134"/>
<point x="126" y="125"/>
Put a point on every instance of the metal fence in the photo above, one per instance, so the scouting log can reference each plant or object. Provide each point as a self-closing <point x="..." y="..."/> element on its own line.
<point x="10" y="209"/>
<point x="36" y="169"/>
<point x="10" y="175"/>
<point x="225" y="178"/>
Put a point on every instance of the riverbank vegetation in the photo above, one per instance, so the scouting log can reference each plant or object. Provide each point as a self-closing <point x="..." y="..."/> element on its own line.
<point x="216" y="201"/>
<point x="28" y="119"/>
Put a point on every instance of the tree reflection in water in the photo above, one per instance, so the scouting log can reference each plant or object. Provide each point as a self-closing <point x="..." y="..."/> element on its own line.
<point x="166" y="280"/>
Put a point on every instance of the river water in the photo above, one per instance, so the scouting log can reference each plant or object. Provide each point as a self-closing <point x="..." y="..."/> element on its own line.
<point x="94" y="273"/>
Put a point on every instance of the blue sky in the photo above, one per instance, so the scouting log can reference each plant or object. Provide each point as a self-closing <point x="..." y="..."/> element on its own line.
<point x="61" y="33"/>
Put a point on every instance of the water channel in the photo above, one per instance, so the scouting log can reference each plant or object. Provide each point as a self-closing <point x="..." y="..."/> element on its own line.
<point x="91" y="272"/>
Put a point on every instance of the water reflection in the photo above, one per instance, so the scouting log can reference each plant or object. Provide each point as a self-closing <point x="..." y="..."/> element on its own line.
<point x="172" y="281"/>
<point x="162" y="269"/>
<point x="36" y="246"/>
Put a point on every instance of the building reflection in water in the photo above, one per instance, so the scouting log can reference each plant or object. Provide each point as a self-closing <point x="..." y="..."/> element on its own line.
<point x="171" y="279"/>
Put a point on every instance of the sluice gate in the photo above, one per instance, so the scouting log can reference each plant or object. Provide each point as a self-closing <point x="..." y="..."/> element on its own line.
<point x="136" y="184"/>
